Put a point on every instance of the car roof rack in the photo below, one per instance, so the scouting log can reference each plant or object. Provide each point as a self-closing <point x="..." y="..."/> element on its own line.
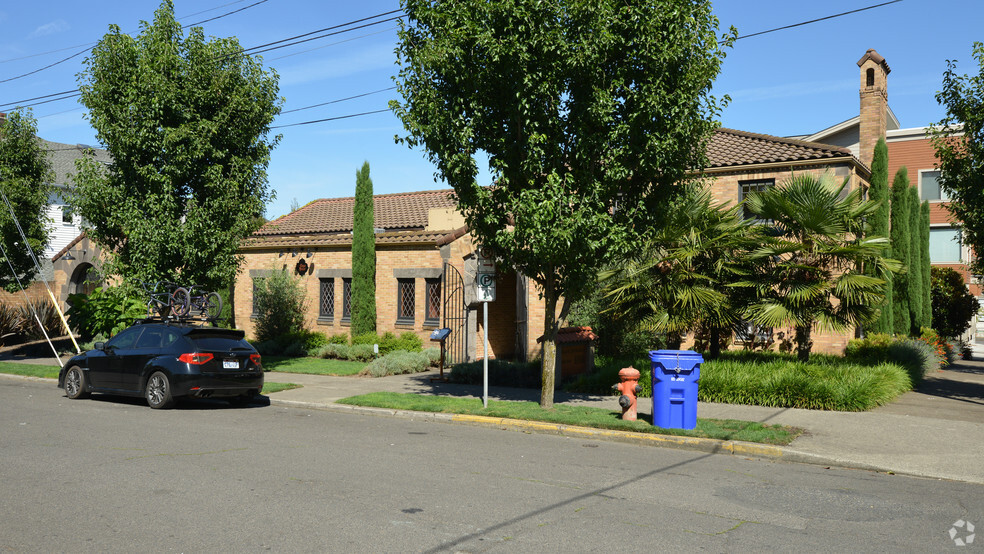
<point x="194" y="321"/>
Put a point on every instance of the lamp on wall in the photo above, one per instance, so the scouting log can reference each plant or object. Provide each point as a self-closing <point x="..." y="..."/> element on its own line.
<point x="68" y="257"/>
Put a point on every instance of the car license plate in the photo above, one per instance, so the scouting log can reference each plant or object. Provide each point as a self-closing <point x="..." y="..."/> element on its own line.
<point x="230" y="364"/>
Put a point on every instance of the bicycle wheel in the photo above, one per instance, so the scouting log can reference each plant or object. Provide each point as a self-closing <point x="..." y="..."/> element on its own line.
<point x="180" y="303"/>
<point x="212" y="305"/>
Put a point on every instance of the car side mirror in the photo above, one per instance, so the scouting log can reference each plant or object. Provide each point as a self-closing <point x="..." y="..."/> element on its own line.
<point x="99" y="346"/>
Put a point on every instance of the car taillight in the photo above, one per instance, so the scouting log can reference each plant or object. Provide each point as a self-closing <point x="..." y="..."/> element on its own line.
<point x="195" y="358"/>
<point x="255" y="358"/>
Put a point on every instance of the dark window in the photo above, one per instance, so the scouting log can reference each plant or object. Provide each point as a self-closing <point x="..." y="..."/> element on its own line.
<point x="257" y="283"/>
<point x="405" y="298"/>
<point x="126" y="338"/>
<point x="433" y="316"/>
<point x="150" y="339"/>
<point x="747" y="188"/>
<point x="66" y="214"/>
<point x="346" y="299"/>
<point x="869" y="79"/>
<point x="326" y="299"/>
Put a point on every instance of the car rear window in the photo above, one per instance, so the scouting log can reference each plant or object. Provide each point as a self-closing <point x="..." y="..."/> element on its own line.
<point x="213" y="342"/>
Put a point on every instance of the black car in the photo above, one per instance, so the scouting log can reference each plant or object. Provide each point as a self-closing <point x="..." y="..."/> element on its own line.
<point x="164" y="361"/>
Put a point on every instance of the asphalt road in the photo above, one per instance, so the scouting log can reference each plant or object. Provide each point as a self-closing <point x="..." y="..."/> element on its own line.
<point x="110" y="474"/>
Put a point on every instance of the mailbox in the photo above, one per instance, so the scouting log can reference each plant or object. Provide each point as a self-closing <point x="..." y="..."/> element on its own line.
<point x="439" y="335"/>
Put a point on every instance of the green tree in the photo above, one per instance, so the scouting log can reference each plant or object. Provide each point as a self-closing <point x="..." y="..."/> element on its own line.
<point x="280" y="305"/>
<point x="901" y="324"/>
<point x="679" y="280"/>
<point x="880" y="224"/>
<point x="916" y="290"/>
<point x="590" y="113"/>
<point x="807" y="273"/>
<point x="185" y="120"/>
<point x="25" y="178"/>
<point x="363" y="256"/>
<point x="927" y="303"/>
<point x="959" y="142"/>
<point x="953" y="305"/>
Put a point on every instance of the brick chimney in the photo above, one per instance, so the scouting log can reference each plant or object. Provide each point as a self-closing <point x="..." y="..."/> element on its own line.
<point x="874" y="102"/>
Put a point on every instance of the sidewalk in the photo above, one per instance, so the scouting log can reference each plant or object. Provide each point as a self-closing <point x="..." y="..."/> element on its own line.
<point x="936" y="431"/>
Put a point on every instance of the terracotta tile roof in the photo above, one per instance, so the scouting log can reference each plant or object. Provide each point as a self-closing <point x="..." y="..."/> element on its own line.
<point x="340" y="239"/>
<point x="729" y="147"/>
<point x="334" y="215"/>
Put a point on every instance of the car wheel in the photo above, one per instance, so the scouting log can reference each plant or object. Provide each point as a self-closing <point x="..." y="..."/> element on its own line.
<point x="75" y="383"/>
<point x="158" y="391"/>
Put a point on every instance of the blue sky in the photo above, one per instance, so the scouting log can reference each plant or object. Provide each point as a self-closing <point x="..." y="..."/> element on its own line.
<point x="794" y="81"/>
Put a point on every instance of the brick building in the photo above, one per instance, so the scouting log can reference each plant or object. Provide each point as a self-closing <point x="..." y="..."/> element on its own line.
<point x="426" y="264"/>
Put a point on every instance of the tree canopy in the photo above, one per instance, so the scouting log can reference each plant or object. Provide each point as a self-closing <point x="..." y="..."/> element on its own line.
<point x="25" y="178"/>
<point x="589" y="112"/>
<point x="807" y="272"/>
<point x="959" y="142"/>
<point x="185" y="120"/>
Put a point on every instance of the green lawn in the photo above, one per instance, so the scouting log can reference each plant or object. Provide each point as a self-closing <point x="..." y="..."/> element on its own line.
<point x="315" y="366"/>
<point x="269" y="388"/>
<point x="724" y="429"/>
<point x="31" y="370"/>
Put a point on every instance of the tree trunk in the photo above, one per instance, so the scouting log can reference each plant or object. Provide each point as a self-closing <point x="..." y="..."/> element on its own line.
<point x="715" y="346"/>
<point x="550" y="326"/>
<point x="804" y="342"/>
<point x="673" y="341"/>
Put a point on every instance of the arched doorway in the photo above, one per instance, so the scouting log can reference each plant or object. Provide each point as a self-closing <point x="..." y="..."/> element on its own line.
<point x="84" y="280"/>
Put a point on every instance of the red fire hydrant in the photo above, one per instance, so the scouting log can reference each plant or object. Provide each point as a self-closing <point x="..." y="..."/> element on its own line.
<point x="629" y="387"/>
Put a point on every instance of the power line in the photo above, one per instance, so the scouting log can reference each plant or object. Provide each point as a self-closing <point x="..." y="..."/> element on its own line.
<point x="329" y="119"/>
<point x="816" y="20"/>
<point x="337" y="101"/>
<point x="29" y="56"/>
<point x="251" y="50"/>
<point x="79" y="53"/>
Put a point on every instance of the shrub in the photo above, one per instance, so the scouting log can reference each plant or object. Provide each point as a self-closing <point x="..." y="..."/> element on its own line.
<point x="407" y="341"/>
<point x="433" y="355"/>
<point x="501" y="374"/>
<point x="280" y="305"/>
<point x="333" y="351"/>
<point x="361" y="353"/>
<point x="49" y="317"/>
<point x="918" y="358"/>
<point x="269" y="348"/>
<point x="366" y="338"/>
<point x="398" y="363"/>
<point x="296" y="350"/>
<point x="605" y="375"/>
<point x="944" y="350"/>
<point x="104" y="311"/>
<point x="339" y="338"/>
<point x="953" y="305"/>
<point x="9" y="323"/>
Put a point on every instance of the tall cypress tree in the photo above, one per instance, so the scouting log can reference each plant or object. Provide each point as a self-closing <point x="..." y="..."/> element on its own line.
<point x="900" y="251"/>
<point x="363" y="256"/>
<point x="916" y="291"/>
<point x="927" y="315"/>
<point x="879" y="225"/>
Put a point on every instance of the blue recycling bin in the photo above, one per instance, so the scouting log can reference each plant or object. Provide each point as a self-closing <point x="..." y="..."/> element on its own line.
<point x="675" y="376"/>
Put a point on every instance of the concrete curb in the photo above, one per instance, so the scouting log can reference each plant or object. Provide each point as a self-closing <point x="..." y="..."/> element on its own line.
<point x="710" y="446"/>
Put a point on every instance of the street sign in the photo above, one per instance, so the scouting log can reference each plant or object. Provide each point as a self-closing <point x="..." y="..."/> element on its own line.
<point x="486" y="261"/>
<point x="485" y="287"/>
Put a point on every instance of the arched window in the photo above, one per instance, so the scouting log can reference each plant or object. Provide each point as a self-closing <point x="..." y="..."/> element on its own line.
<point x="870" y="77"/>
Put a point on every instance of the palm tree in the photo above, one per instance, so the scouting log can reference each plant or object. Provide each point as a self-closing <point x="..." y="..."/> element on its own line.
<point x="679" y="279"/>
<point x="807" y="271"/>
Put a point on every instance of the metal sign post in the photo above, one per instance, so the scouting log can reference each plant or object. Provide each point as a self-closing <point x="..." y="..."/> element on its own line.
<point x="485" y="281"/>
